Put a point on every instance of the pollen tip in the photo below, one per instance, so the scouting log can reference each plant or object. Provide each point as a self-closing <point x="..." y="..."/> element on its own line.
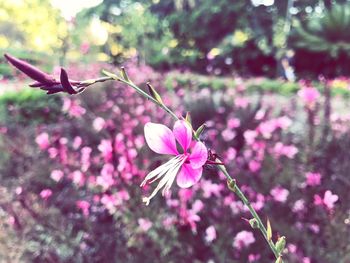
<point x="146" y="200"/>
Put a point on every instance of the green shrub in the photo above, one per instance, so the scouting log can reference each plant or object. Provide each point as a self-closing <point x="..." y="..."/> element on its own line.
<point x="28" y="106"/>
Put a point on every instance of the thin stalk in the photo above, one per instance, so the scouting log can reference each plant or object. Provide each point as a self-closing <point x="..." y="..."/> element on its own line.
<point x="222" y="168"/>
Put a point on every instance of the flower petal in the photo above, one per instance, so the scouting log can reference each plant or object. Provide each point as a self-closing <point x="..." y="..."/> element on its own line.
<point x="198" y="156"/>
<point x="160" y="138"/>
<point x="188" y="176"/>
<point x="183" y="134"/>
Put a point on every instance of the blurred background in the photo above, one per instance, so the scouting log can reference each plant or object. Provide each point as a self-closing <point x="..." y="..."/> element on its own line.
<point x="270" y="79"/>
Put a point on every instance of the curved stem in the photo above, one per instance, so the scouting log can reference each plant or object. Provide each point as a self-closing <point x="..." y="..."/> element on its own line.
<point x="252" y="211"/>
<point x="222" y="168"/>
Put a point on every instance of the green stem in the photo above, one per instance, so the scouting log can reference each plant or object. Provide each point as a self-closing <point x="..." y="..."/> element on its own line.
<point x="252" y="211"/>
<point x="222" y="168"/>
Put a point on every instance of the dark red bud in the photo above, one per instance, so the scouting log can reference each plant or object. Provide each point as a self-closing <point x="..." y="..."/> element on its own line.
<point x="30" y="70"/>
<point x="65" y="82"/>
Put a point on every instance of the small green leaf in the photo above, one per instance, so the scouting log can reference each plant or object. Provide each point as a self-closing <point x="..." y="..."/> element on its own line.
<point x="154" y="93"/>
<point x="199" y="131"/>
<point x="269" y="230"/>
<point x="188" y="119"/>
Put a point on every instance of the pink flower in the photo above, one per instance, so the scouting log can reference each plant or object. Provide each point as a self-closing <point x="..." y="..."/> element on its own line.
<point x="298" y="206"/>
<point x="45" y="194"/>
<point x="279" y="194"/>
<point x="243" y="239"/>
<point x="106" y="148"/>
<point x="253" y="257"/>
<point x="43" y="141"/>
<point x="83" y="206"/>
<point x="287" y="150"/>
<point x="56" y="175"/>
<point x="309" y="95"/>
<point x="186" y="167"/>
<point x="99" y="123"/>
<point x="210" y="234"/>
<point x="72" y="107"/>
<point x="328" y="200"/>
<point x="144" y="224"/>
<point x="313" y="179"/>
<point x="254" y="166"/>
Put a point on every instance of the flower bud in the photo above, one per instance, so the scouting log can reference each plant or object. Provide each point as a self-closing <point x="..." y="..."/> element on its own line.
<point x="125" y="75"/>
<point x="30" y="70"/>
<point x="232" y="185"/>
<point x="254" y="223"/>
<point x="65" y="82"/>
<point x="280" y="244"/>
<point x="155" y="95"/>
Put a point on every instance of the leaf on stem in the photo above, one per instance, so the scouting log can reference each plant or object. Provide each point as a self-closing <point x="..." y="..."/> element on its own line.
<point x="280" y="244"/>
<point x="199" y="131"/>
<point x="269" y="230"/>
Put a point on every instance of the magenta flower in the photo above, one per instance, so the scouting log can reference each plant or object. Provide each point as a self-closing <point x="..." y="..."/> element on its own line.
<point x="186" y="166"/>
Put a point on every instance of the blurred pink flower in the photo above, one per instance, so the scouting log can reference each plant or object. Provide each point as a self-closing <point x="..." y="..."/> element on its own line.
<point x="313" y="179"/>
<point x="72" y="107"/>
<point x="77" y="142"/>
<point x="231" y="153"/>
<point x="250" y="136"/>
<point x="279" y="194"/>
<point x="106" y="148"/>
<point x="185" y="167"/>
<point x="292" y="248"/>
<point x="241" y="102"/>
<point x="83" y="206"/>
<point x="45" y="194"/>
<point x="209" y="188"/>
<point x="243" y="239"/>
<point x="56" y="175"/>
<point x="309" y="95"/>
<point x="253" y="257"/>
<point x="98" y="123"/>
<point x="84" y="47"/>
<point x="210" y="234"/>
<point x="43" y="141"/>
<point x="78" y="178"/>
<point x="254" y="166"/>
<point x="298" y="206"/>
<point x="285" y="150"/>
<point x="233" y="123"/>
<point x="228" y="134"/>
<point x="328" y="200"/>
<point x="144" y="224"/>
<point x="283" y="122"/>
<point x="266" y="128"/>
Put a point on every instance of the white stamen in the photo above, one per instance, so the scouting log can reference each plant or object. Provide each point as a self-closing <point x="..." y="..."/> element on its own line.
<point x="169" y="170"/>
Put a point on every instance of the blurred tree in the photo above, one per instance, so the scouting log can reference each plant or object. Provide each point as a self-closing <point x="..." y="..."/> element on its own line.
<point x="327" y="38"/>
<point x="37" y="26"/>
